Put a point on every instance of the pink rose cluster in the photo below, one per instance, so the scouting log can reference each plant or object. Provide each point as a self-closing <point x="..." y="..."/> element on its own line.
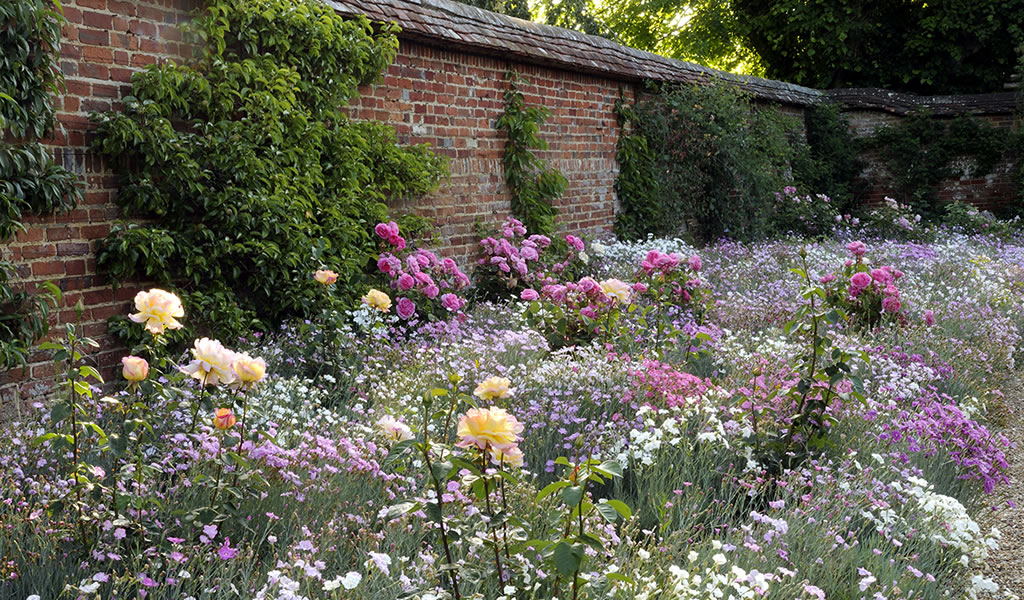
<point x="667" y="274"/>
<point x="389" y="233"/>
<point x="518" y="258"/>
<point x="420" y="272"/>
<point x="882" y="281"/>
<point x="585" y="296"/>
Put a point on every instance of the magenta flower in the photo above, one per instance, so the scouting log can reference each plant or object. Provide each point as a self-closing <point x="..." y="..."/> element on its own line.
<point x="452" y="302"/>
<point x="529" y="295"/>
<point x="929" y="318"/>
<point x="406" y="282"/>
<point x="859" y="281"/>
<point x="857" y="248"/>
<point x="226" y="552"/>
<point x="695" y="263"/>
<point x="406" y="308"/>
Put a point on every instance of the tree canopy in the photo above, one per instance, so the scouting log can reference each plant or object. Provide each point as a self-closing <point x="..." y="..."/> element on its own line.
<point x="944" y="46"/>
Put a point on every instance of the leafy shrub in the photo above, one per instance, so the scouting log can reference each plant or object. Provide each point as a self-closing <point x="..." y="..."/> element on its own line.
<point x="703" y="153"/>
<point x="968" y="219"/>
<point x="803" y="214"/>
<point x="30" y="183"/>
<point x="243" y="169"/>
<point x="518" y="260"/>
<point x="830" y="161"/>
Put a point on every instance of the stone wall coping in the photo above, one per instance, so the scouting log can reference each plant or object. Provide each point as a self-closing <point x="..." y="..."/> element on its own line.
<point x="902" y="104"/>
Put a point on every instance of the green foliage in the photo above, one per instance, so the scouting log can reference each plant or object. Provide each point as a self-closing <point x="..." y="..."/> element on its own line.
<point x="919" y="151"/>
<point x="244" y="170"/>
<point x="704" y="154"/>
<point x="532" y="184"/>
<point x="30" y="183"/>
<point x="830" y="162"/>
<point x="938" y="47"/>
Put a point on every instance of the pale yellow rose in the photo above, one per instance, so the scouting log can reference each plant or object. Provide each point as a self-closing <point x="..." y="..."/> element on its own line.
<point x="134" y="368"/>
<point x="487" y="428"/>
<point x="378" y="299"/>
<point x="394" y="429"/>
<point x="325" y="276"/>
<point x="509" y="457"/>
<point x="617" y="290"/>
<point x="248" y="370"/>
<point x="158" y="309"/>
<point x="211" y="362"/>
<point x="493" y="387"/>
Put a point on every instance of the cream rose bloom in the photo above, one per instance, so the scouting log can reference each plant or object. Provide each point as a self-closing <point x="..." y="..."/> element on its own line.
<point x="493" y="387"/>
<point x="248" y="370"/>
<point x="378" y="299"/>
<point x="394" y="429"/>
<point x="617" y="290"/>
<point x="325" y="276"/>
<point x="509" y="457"/>
<point x="488" y="428"/>
<point x="211" y="362"/>
<point x="134" y="368"/>
<point x="158" y="309"/>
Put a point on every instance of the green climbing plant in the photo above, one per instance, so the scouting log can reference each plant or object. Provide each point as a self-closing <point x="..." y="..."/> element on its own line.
<point x="243" y="175"/>
<point x="30" y="182"/>
<point x="532" y="184"/>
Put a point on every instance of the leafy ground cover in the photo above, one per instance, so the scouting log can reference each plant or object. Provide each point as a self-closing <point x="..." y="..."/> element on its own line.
<point x="785" y="419"/>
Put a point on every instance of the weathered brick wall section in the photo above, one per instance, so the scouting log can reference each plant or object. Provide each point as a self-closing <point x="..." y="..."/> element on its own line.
<point x="453" y="100"/>
<point x="445" y="88"/>
<point x="104" y="42"/>
<point x="871" y="109"/>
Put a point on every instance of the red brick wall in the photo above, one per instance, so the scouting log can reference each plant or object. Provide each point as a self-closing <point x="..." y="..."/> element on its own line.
<point x="104" y="41"/>
<point x="452" y="101"/>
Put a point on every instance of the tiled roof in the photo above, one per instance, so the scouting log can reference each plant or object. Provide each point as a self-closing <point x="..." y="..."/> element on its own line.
<point x="462" y="27"/>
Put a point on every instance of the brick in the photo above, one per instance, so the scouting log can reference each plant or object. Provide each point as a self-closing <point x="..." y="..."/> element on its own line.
<point x="93" y="37"/>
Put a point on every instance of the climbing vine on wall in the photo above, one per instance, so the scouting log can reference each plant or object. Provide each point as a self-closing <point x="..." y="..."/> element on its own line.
<point x="919" y="152"/>
<point x="244" y="169"/>
<point x="532" y="184"/>
<point x="30" y="182"/>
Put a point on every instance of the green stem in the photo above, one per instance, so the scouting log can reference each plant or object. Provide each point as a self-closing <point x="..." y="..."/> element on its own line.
<point x="490" y="513"/>
<point x="199" y="403"/>
<point x="220" y="467"/>
<point x="440" y="506"/>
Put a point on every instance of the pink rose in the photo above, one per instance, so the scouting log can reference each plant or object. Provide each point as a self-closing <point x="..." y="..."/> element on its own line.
<point x="529" y="253"/>
<point x="640" y="288"/>
<point x="859" y="281"/>
<point x="891" y="304"/>
<point x="383" y="265"/>
<point x="431" y="291"/>
<point x="575" y="242"/>
<point x="382" y="231"/>
<point x="529" y="295"/>
<point x="857" y="248"/>
<point x="828" y="278"/>
<point x="406" y="308"/>
<point x="882" y="276"/>
<point x="406" y="282"/>
<point x="929" y="318"/>
<point x="452" y="302"/>
<point x="695" y="263"/>
<point x="588" y="312"/>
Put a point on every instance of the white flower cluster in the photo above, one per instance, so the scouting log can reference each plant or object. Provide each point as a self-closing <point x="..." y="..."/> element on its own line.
<point x="295" y="404"/>
<point x="713" y="581"/>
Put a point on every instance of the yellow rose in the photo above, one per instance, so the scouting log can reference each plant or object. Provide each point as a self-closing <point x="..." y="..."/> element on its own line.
<point x="134" y="368"/>
<point x="493" y="387"/>
<point x="211" y="362"/>
<point x="616" y="290"/>
<point x="325" y="276"/>
<point x="223" y="418"/>
<point x="378" y="299"/>
<point x="509" y="457"/>
<point x="158" y="309"/>
<point x="488" y="428"/>
<point x="248" y="370"/>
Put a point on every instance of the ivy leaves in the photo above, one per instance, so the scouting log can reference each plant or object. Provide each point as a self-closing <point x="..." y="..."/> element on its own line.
<point x="532" y="184"/>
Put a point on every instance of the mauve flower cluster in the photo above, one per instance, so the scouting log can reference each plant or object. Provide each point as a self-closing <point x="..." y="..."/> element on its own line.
<point x="519" y="260"/>
<point x="420" y="272"/>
